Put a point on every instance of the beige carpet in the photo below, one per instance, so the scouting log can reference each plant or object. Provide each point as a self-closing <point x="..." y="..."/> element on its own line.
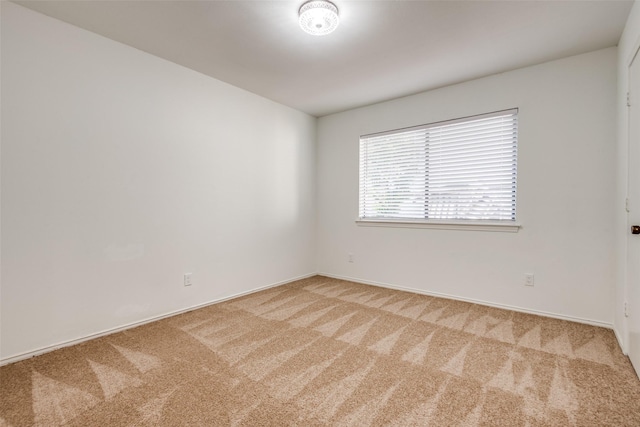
<point x="322" y="351"/>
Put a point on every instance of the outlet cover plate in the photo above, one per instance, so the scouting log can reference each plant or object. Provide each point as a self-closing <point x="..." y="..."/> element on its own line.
<point x="528" y="279"/>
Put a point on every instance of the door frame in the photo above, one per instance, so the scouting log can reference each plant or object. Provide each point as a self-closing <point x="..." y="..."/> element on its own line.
<point x="624" y="340"/>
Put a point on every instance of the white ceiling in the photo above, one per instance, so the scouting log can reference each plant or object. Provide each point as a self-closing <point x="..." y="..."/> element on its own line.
<point x="381" y="49"/>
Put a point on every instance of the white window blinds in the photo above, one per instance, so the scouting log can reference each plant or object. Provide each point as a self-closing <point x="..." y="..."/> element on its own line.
<point x="463" y="169"/>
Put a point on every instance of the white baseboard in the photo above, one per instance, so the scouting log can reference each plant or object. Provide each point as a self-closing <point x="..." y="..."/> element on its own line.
<point x="43" y="350"/>
<point x="474" y="301"/>
<point x="621" y="342"/>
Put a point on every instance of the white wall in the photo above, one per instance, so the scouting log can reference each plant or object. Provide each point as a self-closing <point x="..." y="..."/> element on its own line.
<point x="627" y="46"/>
<point x="122" y="171"/>
<point x="566" y="183"/>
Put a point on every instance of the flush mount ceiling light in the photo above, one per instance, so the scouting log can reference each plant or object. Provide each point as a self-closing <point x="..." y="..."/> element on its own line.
<point x="318" y="17"/>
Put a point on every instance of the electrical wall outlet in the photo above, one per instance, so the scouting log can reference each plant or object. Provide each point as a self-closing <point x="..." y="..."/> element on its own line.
<point x="350" y="257"/>
<point x="187" y="279"/>
<point x="528" y="279"/>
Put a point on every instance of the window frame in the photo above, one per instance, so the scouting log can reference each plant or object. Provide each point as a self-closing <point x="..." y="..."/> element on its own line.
<point x="451" y="224"/>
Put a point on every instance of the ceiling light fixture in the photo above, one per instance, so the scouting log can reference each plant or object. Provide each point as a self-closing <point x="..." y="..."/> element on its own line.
<point x="318" y="17"/>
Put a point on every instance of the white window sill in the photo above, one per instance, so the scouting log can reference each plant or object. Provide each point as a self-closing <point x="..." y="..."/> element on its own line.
<point x="507" y="227"/>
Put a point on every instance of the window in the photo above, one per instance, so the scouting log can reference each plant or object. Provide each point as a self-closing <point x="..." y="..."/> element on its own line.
<point x="461" y="170"/>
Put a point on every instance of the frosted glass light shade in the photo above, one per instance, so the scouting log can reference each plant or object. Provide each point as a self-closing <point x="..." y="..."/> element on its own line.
<point x="318" y="17"/>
